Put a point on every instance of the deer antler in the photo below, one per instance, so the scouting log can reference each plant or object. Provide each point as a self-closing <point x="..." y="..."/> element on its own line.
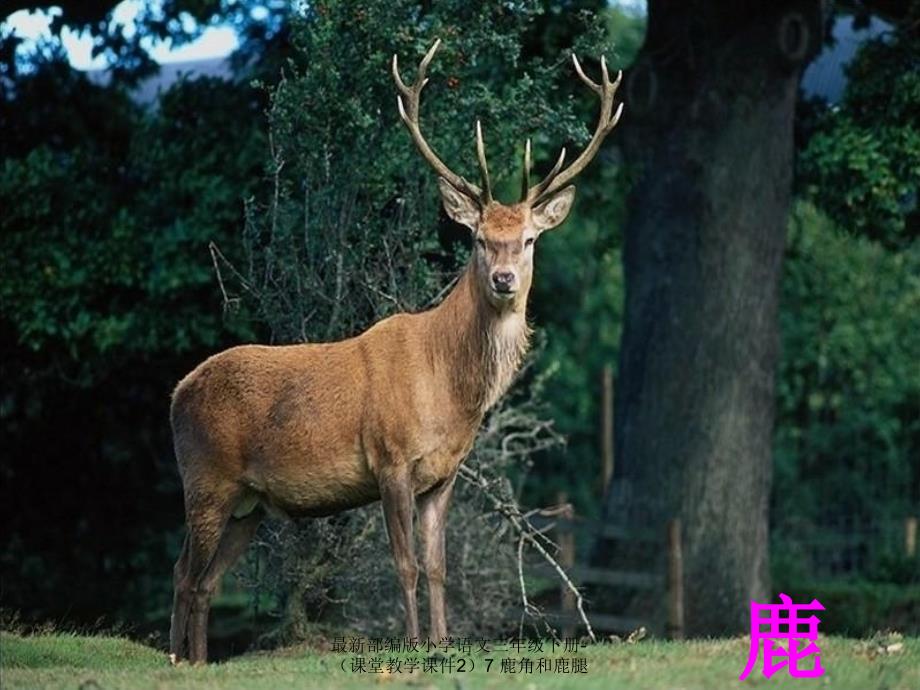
<point x="557" y="177"/>
<point x="408" y="101"/>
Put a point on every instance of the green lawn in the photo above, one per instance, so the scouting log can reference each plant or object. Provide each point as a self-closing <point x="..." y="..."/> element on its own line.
<point x="107" y="663"/>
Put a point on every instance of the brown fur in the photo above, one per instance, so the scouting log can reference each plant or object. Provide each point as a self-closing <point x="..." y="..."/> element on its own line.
<point x="310" y="430"/>
<point x="309" y="427"/>
<point x="505" y="221"/>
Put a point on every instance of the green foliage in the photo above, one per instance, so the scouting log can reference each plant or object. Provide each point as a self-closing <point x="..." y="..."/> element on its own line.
<point x="479" y="73"/>
<point x="579" y="272"/>
<point x="107" y="297"/>
<point x="859" y="608"/>
<point x="862" y="161"/>
<point x="357" y="208"/>
<point x="848" y="433"/>
<point x="578" y="301"/>
<point x="627" y="31"/>
<point x="105" y="245"/>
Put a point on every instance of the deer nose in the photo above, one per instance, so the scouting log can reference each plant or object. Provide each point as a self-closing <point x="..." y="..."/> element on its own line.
<point x="503" y="281"/>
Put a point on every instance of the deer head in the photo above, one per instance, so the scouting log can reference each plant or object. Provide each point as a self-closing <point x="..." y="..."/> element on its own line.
<point x="504" y="235"/>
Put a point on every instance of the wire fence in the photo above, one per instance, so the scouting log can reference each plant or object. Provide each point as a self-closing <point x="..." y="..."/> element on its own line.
<point x="847" y="547"/>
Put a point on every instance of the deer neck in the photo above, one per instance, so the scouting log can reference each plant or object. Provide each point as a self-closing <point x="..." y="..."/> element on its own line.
<point x="479" y="346"/>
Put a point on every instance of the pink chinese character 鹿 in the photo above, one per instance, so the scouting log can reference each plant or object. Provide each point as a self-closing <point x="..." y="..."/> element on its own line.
<point x="771" y="624"/>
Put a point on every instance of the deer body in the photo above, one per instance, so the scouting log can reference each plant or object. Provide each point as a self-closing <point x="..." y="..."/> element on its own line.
<point x="311" y="430"/>
<point x="307" y="430"/>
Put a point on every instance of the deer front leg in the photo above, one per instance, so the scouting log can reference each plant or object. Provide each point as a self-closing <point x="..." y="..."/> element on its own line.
<point x="397" y="498"/>
<point x="432" y="526"/>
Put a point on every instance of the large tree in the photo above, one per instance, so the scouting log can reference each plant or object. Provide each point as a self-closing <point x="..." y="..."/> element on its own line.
<point x="711" y="101"/>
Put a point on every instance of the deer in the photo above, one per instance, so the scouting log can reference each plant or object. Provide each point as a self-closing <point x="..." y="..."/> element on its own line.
<point x="313" y="429"/>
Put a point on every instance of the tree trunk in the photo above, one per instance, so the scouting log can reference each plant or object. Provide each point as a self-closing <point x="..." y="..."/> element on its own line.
<point x="709" y="126"/>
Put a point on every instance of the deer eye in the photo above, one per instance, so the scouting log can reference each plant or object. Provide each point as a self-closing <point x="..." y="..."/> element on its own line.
<point x="528" y="242"/>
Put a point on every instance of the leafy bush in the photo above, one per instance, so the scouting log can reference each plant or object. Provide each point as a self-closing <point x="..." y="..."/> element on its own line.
<point x="859" y="608"/>
<point x="107" y="297"/>
<point x="849" y="387"/>
<point x="861" y="164"/>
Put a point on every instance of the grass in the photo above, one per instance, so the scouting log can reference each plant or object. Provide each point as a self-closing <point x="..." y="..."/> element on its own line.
<point x="108" y="663"/>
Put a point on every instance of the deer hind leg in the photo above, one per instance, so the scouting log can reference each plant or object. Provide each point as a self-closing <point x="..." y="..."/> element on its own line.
<point x="237" y="535"/>
<point x="182" y="602"/>
<point x="233" y="542"/>
<point x="398" y="508"/>
<point x="432" y="526"/>
<point x="207" y="516"/>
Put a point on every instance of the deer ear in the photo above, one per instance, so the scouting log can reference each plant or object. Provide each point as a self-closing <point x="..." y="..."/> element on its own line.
<point x="459" y="206"/>
<point x="550" y="213"/>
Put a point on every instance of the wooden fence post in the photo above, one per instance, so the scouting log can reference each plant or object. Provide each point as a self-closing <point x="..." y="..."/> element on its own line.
<point x="567" y="561"/>
<point x="675" y="582"/>
<point x="606" y="428"/>
<point x="910" y="536"/>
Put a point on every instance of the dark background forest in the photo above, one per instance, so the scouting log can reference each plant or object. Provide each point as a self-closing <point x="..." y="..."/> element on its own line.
<point x="745" y="256"/>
